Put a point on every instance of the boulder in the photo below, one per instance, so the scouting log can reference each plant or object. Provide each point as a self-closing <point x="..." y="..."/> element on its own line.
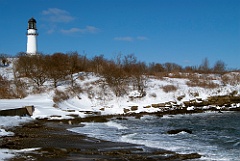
<point x="102" y="109"/>
<point x="186" y="103"/>
<point x="147" y="106"/>
<point x="134" y="108"/>
<point x="125" y="110"/>
<point x="176" y="131"/>
<point x="158" y="105"/>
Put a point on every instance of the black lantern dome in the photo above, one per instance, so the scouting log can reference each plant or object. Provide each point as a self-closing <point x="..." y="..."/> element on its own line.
<point x="32" y="23"/>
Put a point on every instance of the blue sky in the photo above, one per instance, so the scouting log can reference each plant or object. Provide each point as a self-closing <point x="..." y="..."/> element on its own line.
<point x="179" y="31"/>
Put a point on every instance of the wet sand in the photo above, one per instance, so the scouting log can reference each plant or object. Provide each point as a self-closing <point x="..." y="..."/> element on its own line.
<point x="56" y="143"/>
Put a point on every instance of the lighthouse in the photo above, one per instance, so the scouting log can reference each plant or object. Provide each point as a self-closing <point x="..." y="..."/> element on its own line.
<point x="32" y="37"/>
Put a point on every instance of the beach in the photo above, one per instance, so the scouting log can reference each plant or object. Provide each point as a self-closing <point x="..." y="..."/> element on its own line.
<point x="52" y="141"/>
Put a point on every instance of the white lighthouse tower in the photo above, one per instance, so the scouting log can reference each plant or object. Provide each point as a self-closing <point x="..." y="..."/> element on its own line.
<point x="32" y="37"/>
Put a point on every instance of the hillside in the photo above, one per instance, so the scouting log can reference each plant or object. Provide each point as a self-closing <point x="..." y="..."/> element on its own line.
<point x="91" y="94"/>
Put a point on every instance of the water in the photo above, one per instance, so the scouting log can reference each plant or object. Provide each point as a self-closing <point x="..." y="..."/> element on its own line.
<point x="216" y="136"/>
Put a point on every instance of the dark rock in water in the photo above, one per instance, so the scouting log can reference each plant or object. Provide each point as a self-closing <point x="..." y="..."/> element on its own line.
<point x="176" y="131"/>
<point x="121" y="118"/>
<point x="186" y="156"/>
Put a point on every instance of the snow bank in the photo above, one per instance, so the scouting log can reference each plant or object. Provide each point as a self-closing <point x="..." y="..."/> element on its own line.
<point x="5" y="154"/>
<point x="6" y="123"/>
<point x="3" y="132"/>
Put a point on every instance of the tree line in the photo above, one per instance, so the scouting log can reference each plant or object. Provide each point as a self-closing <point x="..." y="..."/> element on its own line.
<point x="119" y="73"/>
<point x="57" y="67"/>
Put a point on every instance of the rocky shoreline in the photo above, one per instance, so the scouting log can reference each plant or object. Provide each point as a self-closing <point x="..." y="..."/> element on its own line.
<point x="214" y="103"/>
<point x="54" y="142"/>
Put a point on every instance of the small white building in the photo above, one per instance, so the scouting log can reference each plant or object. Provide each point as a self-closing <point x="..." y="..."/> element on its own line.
<point x="32" y="37"/>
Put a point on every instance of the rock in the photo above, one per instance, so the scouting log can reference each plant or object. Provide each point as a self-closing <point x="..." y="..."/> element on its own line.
<point x="179" y="98"/>
<point x="121" y="118"/>
<point x="187" y="156"/>
<point x="155" y="105"/>
<point x="147" y="106"/>
<point x="125" y="110"/>
<point x="186" y="103"/>
<point x="134" y="108"/>
<point x="235" y="99"/>
<point x="158" y="105"/>
<point x="176" y="131"/>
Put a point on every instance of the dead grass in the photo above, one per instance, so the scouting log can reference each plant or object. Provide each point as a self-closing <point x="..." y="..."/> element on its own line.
<point x="60" y="96"/>
<point x="169" y="88"/>
<point x="39" y="90"/>
<point x="231" y="78"/>
<point x="204" y="83"/>
<point x="12" y="89"/>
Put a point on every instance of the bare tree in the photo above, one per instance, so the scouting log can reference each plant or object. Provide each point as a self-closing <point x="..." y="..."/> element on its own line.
<point x="57" y="67"/>
<point x="115" y="78"/>
<point x="73" y="66"/>
<point x="38" y="72"/>
<point x="204" y="67"/>
<point x="219" y="67"/>
<point x="98" y="63"/>
<point x="190" y="69"/>
<point x="123" y="73"/>
<point x="83" y="63"/>
<point x="172" y="67"/>
<point x="33" y="67"/>
<point x="155" y="68"/>
<point x="128" y="62"/>
<point x="23" y="65"/>
<point x="135" y="71"/>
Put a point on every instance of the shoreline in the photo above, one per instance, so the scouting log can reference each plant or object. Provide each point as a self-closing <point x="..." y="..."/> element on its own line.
<point x="55" y="142"/>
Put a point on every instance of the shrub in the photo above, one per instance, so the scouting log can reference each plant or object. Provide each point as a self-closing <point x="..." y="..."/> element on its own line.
<point x="116" y="78"/>
<point x="169" y="88"/>
<point x="219" y="67"/>
<point x="59" y="96"/>
<point x="82" y="78"/>
<point x="9" y="89"/>
<point x="202" y="83"/>
<point x="231" y="78"/>
<point x="153" y="95"/>
<point x="179" y="98"/>
<point x="20" y="88"/>
<point x="73" y="91"/>
<point x="39" y="90"/>
<point x="4" y="88"/>
<point x="194" y="94"/>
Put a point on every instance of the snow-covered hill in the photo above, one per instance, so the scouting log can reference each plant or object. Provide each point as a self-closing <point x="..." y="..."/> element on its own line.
<point x="91" y="94"/>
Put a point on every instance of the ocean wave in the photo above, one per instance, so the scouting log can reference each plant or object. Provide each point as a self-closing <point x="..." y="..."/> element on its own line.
<point x="115" y="125"/>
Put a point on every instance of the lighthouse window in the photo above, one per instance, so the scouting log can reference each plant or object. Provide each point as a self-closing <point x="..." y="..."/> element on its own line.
<point x="31" y="26"/>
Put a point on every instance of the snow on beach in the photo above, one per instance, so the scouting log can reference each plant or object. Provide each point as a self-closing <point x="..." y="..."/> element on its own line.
<point x="5" y="123"/>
